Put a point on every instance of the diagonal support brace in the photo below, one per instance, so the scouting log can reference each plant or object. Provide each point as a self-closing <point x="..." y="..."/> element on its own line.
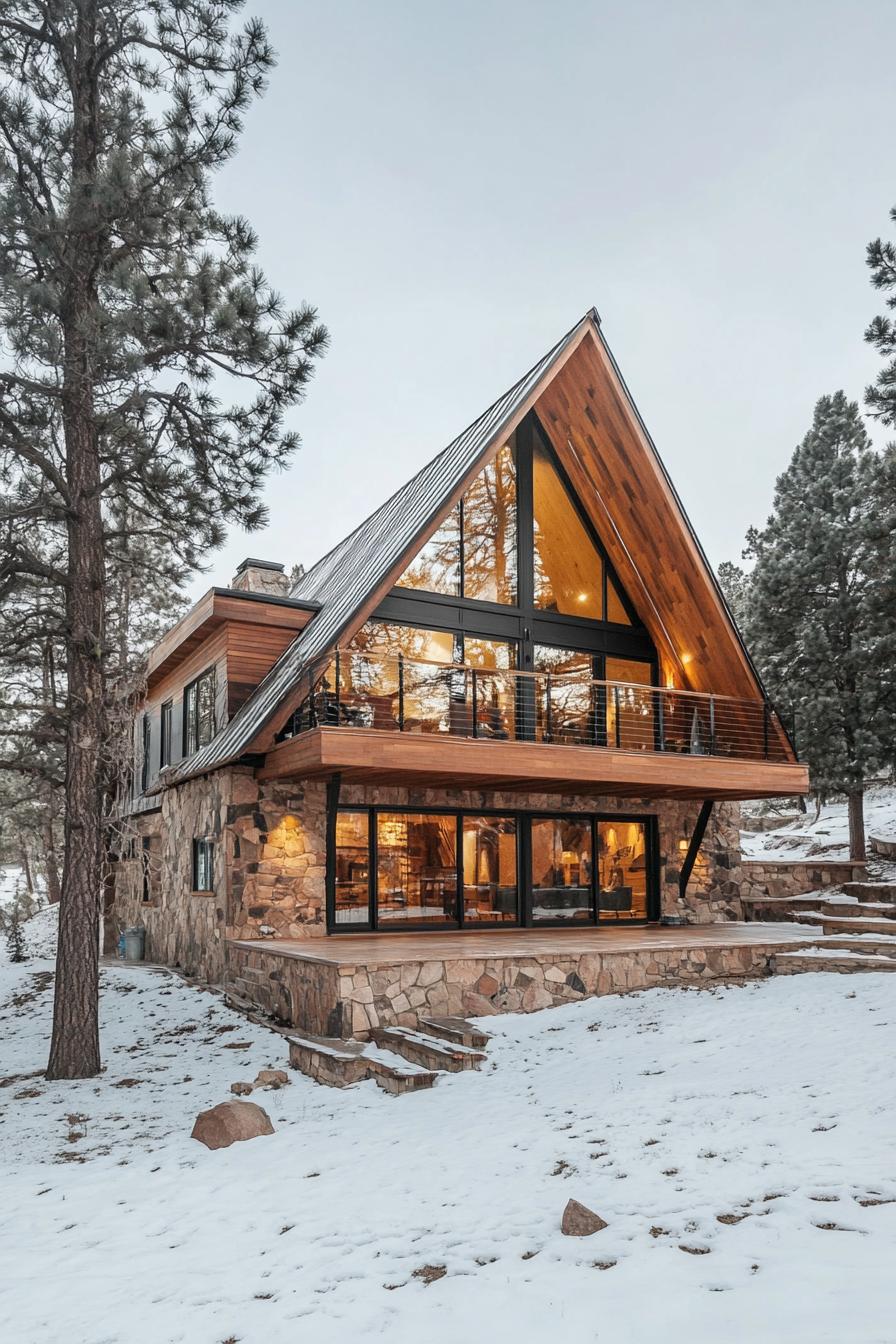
<point x="693" y="848"/>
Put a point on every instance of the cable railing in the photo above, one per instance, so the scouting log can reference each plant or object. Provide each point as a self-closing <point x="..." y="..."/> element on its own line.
<point x="395" y="693"/>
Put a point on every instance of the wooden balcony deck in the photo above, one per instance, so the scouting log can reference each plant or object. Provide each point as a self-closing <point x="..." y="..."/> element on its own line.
<point x="373" y="756"/>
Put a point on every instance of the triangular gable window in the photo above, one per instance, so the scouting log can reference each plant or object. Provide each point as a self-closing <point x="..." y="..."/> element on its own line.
<point x="474" y="551"/>
<point x="569" y="569"/>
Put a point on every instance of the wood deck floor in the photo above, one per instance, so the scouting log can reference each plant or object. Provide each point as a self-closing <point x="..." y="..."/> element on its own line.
<point x="368" y="949"/>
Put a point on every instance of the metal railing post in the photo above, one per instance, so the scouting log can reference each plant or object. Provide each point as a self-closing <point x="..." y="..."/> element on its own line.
<point x="660" y="721"/>
<point x="338" y="682"/>
<point x="765" y="730"/>
<point x="312" y="708"/>
<point x="712" y="725"/>
<point x="474" y="701"/>
<point x="548" y="711"/>
<point x="617" y="716"/>
<point x="401" y="692"/>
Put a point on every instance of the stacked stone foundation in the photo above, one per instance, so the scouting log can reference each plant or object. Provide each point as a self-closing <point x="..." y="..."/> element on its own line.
<point x="270" y="861"/>
<point x="350" y="1000"/>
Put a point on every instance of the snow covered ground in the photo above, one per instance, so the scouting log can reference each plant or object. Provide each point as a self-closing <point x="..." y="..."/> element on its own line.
<point x="737" y="1141"/>
<point x="829" y="836"/>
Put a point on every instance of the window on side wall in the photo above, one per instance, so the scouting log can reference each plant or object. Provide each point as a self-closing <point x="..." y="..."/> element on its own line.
<point x="146" y="741"/>
<point x="203" y="865"/>
<point x="165" y="741"/>
<point x="199" y="712"/>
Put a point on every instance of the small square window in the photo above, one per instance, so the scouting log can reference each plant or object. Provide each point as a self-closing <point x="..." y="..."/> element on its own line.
<point x="203" y="865"/>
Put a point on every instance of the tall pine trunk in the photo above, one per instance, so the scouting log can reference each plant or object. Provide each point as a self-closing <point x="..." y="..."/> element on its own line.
<point x="26" y="868"/>
<point x="856" y="799"/>
<point x="51" y="865"/>
<point x="75" y="1046"/>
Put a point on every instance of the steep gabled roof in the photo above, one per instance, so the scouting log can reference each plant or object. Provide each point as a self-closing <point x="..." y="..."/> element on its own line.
<point x="343" y="581"/>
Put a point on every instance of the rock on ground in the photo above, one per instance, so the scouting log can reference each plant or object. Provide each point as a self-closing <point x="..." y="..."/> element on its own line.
<point x="231" y="1122"/>
<point x="578" y="1221"/>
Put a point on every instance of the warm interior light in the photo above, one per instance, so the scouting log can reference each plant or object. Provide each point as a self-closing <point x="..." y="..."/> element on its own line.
<point x="683" y="844"/>
<point x="670" y="682"/>
<point x="583" y="597"/>
<point x="687" y="658"/>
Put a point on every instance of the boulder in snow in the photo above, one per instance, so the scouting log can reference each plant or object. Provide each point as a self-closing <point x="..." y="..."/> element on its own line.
<point x="580" y="1222"/>
<point x="272" y="1078"/>
<point x="241" y="1089"/>
<point x="231" y="1122"/>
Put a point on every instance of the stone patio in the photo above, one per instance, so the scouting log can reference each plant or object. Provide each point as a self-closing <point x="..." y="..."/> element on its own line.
<point x="352" y="984"/>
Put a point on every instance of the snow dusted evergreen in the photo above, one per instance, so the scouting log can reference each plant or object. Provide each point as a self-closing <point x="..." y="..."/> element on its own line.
<point x="822" y="611"/>
<point x="881" y="397"/>
<point x="736" y="586"/>
<point x="151" y="363"/>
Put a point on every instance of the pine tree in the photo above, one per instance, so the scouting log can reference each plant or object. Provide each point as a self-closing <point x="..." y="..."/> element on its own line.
<point x="880" y="398"/>
<point x="823" y="616"/>
<point x="16" y="947"/>
<point x="152" y="363"/>
<point x="736" y="584"/>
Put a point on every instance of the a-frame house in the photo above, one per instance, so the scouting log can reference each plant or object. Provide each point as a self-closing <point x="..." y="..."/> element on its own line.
<point x="512" y="699"/>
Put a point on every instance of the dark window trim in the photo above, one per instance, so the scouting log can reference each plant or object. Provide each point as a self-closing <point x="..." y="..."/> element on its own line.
<point x="145" y="750"/>
<point x="166" y="721"/>
<point x="146" y="893"/>
<point x="525" y="608"/>
<point x="208" y="672"/>
<point x="194" y="876"/>
<point x="523" y="818"/>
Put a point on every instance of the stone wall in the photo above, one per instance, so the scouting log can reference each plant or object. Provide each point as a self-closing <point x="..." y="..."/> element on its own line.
<point x="270" y="860"/>
<point x="183" y="928"/>
<point x="797" y="877"/>
<point x="279" y="851"/>
<point x="351" y="1000"/>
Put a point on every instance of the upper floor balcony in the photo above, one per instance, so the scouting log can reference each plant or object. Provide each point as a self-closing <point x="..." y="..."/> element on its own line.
<point x="402" y="720"/>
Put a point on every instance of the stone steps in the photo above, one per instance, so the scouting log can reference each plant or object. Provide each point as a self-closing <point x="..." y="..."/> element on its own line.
<point x="862" y="942"/>
<point x="824" y="959"/>
<point x="872" y="891"/>
<point x="778" y="909"/>
<point x="457" y="1030"/>
<point x="429" y="1051"/>
<point x="854" y="924"/>
<point x="397" y="1059"/>
<point x="338" y="1063"/>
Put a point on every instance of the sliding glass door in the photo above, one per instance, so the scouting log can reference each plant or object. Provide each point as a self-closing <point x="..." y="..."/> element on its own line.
<point x="622" y="854"/>
<point x="562" y="889"/>
<point x="401" y="868"/>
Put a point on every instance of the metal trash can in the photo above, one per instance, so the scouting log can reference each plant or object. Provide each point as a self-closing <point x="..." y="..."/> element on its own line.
<point x="134" y="943"/>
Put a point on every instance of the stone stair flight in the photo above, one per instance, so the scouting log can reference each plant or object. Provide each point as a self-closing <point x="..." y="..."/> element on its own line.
<point x="397" y="1059"/>
<point x="856" y="924"/>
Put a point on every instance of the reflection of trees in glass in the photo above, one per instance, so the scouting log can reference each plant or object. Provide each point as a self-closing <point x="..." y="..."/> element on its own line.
<point x="489" y="527"/>
<point x="488" y="510"/>
<point x="385" y="640"/>
<point x="436" y="569"/>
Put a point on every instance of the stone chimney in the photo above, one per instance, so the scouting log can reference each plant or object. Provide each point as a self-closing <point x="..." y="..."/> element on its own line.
<point x="261" y="576"/>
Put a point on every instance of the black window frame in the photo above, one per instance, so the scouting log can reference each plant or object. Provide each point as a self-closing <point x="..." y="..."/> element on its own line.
<point x="523" y="818"/>
<point x="532" y="625"/>
<point x="201" y="844"/>
<point x="191" y="713"/>
<point x="146" y="891"/>
<point x="166" y="722"/>
<point x="145" y="750"/>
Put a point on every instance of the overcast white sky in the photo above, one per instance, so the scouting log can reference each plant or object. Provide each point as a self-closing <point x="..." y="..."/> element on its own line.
<point x="453" y="184"/>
